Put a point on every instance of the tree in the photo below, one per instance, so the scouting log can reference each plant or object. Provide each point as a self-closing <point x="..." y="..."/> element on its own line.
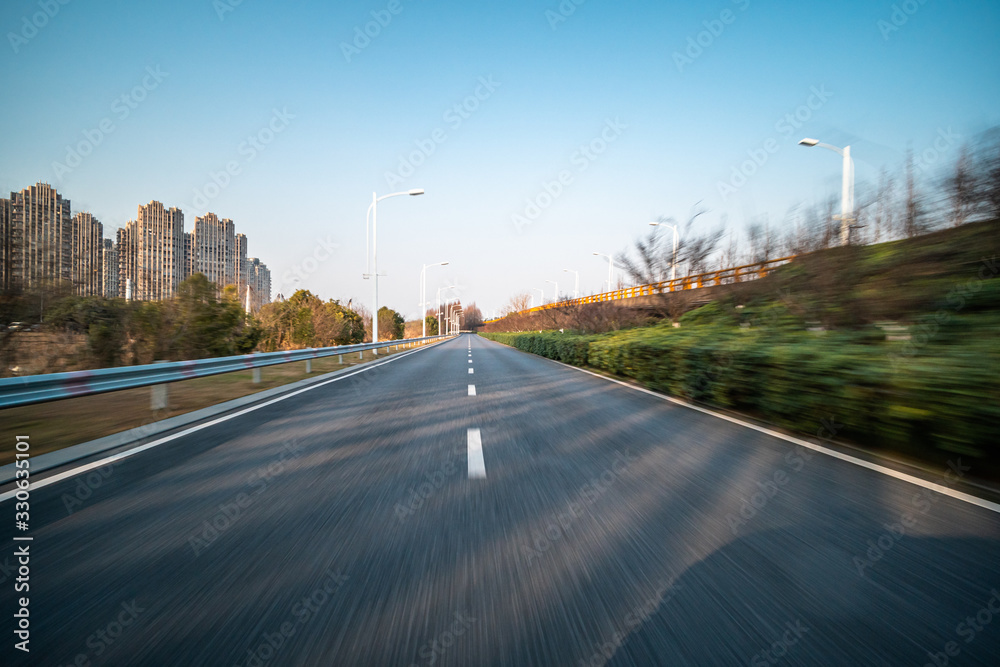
<point x="912" y="210"/>
<point x="473" y="316"/>
<point x="199" y="324"/>
<point x="517" y="303"/>
<point x="988" y="172"/>
<point x="654" y="256"/>
<point x="305" y="320"/>
<point x="761" y="242"/>
<point x="961" y="188"/>
<point x="432" y="325"/>
<point x="390" y="323"/>
<point x="366" y="319"/>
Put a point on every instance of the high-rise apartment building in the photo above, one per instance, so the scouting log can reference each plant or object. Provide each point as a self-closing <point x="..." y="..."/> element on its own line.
<point x="241" y="266"/>
<point x="109" y="269"/>
<point x="215" y="249"/>
<point x="87" y="245"/>
<point x="40" y="237"/>
<point x="43" y="246"/>
<point x="6" y="246"/>
<point x="188" y="255"/>
<point x="125" y="249"/>
<point x="259" y="283"/>
<point x="159" y="247"/>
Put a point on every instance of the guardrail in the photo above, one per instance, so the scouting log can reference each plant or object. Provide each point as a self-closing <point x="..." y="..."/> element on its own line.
<point x="55" y="386"/>
<point x="736" y="274"/>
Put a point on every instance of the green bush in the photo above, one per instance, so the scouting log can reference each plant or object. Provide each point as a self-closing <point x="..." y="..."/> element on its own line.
<point x="882" y="394"/>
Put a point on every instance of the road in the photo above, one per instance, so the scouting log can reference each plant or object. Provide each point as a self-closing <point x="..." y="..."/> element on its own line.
<point x="552" y="518"/>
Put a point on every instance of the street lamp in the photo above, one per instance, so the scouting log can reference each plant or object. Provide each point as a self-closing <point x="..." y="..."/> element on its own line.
<point x="373" y="210"/>
<point x="556" y="297"/>
<point x="542" y="300"/>
<point x="611" y="269"/>
<point x="576" y="285"/>
<point x="440" y="309"/>
<point x="673" y="261"/>
<point x="423" y="296"/>
<point x="847" y="187"/>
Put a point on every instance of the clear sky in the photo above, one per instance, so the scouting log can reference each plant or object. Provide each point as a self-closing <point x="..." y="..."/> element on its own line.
<point x="334" y="123"/>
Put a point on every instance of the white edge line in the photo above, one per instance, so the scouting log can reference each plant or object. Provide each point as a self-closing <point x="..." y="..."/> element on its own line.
<point x="66" y="474"/>
<point x="902" y="476"/>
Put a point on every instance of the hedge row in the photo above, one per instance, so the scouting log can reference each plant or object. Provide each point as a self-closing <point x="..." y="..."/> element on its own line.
<point x="917" y="396"/>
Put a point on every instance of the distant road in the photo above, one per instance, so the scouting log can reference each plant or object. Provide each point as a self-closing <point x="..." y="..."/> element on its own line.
<point x="508" y="511"/>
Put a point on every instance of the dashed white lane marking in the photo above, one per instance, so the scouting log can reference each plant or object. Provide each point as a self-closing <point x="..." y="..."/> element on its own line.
<point x="470" y="361"/>
<point x="472" y="390"/>
<point x="477" y="467"/>
<point x="471" y="371"/>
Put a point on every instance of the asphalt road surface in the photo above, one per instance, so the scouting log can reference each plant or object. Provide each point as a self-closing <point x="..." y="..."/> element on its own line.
<point x="507" y="511"/>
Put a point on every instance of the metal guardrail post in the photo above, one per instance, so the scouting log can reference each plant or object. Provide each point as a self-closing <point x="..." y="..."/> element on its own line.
<point x="158" y="397"/>
<point x="256" y="376"/>
<point x="309" y="366"/>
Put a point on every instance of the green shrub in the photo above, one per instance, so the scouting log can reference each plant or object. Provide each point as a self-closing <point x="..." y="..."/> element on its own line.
<point x="942" y="397"/>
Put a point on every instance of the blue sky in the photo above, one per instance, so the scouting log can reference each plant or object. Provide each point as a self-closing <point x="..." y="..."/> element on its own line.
<point x="339" y="126"/>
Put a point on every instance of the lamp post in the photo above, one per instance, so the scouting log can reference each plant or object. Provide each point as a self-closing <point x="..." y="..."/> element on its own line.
<point x="423" y="296"/>
<point x="373" y="210"/>
<point x="611" y="269"/>
<point x="556" y="297"/>
<point x="440" y="309"/>
<point x="542" y="292"/>
<point x="673" y="260"/>
<point x="847" y="187"/>
<point x="576" y="284"/>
